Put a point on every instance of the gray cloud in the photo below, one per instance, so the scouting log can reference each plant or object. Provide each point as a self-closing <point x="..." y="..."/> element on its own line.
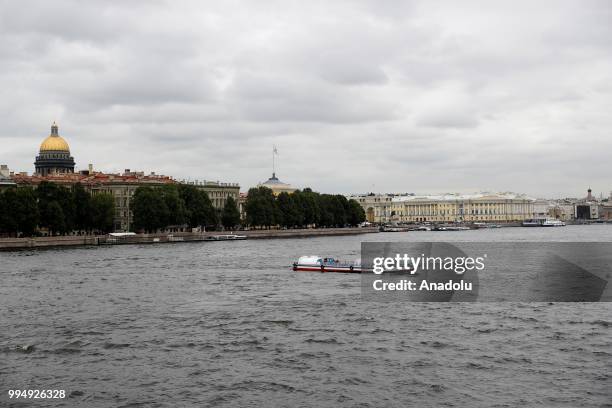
<point x="423" y="96"/>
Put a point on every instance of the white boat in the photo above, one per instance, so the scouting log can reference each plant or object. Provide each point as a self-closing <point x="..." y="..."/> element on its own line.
<point x="314" y="263"/>
<point x="225" y="237"/>
<point x="551" y="222"/>
<point x="543" y="222"/>
<point x="486" y="225"/>
<point x="450" y="228"/>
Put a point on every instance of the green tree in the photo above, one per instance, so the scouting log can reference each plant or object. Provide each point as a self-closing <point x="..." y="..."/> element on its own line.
<point x="65" y="200"/>
<point x="340" y="210"/>
<point x="211" y="214"/>
<point x="255" y="208"/>
<point x="326" y="205"/>
<point x="82" y="208"/>
<point x="149" y="209"/>
<point x="9" y="207"/>
<point x="231" y="215"/>
<point x="19" y="211"/>
<point x="54" y="218"/>
<point x="55" y="202"/>
<point x="7" y="223"/>
<point x="261" y="207"/>
<point x="356" y="214"/>
<point x="290" y="208"/>
<point x="27" y="212"/>
<point x="102" y="212"/>
<point x="199" y="210"/>
<point x="177" y="214"/>
<point x="311" y="208"/>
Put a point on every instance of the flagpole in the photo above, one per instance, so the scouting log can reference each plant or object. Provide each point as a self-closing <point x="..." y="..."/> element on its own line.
<point x="273" y="164"/>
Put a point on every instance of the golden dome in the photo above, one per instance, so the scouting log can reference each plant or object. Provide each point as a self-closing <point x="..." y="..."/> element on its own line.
<point x="54" y="142"/>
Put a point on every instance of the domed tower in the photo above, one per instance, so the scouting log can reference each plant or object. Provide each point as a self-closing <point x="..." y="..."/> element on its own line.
<point x="54" y="155"/>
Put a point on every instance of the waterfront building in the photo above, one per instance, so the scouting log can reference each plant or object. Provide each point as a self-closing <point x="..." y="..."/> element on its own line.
<point x="377" y="207"/>
<point x="122" y="188"/>
<point x="481" y="207"/>
<point x="54" y="164"/>
<point x="562" y="210"/>
<point x="586" y="208"/>
<point x="218" y="192"/>
<point x="54" y="155"/>
<point x="277" y="186"/>
<point x="586" y="211"/>
<point x="605" y="211"/>
<point x="5" y="177"/>
<point x="541" y="208"/>
<point x="242" y="198"/>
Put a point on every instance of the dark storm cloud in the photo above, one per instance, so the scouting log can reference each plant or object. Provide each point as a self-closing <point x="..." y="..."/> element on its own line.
<point x="420" y="96"/>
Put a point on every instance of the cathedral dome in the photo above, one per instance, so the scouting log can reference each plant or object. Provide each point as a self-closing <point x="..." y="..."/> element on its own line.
<point x="54" y="142"/>
<point x="54" y="156"/>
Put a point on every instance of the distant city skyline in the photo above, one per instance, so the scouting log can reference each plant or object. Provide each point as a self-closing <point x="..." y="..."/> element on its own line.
<point x="423" y="97"/>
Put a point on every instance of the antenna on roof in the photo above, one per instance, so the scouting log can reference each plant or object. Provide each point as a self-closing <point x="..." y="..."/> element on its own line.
<point x="274" y="153"/>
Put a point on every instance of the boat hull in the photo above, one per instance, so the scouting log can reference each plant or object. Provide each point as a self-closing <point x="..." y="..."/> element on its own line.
<point x="326" y="268"/>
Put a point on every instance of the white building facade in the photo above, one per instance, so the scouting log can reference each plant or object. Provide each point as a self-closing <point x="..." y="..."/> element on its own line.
<point x="481" y="207"/>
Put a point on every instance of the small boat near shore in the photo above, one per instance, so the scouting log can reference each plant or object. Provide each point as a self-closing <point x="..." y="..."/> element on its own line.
<point x="225" y="237"/>
<point x="450" y="228"/>
<point x="553" y="223"/>
<point x="543" y="222"/>
<point x="482" y="225"/>
<point x="404" y="229"/>
<point x="314" y="263"/>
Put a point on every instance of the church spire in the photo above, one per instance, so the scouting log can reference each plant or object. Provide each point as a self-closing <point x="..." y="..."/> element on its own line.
<point x="54" y="131"/>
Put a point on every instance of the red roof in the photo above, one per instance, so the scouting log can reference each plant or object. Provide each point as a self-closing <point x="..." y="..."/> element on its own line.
<point x="92" y="179"/>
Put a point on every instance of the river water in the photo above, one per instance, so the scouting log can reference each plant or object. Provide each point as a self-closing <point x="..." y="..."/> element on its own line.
<point x="230" y="324"/>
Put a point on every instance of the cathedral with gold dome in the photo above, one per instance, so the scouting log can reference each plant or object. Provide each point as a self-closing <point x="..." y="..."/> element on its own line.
<point x="54" y="155"/>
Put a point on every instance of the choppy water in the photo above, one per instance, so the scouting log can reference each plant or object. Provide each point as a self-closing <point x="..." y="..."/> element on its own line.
<point x="229" y="324"/>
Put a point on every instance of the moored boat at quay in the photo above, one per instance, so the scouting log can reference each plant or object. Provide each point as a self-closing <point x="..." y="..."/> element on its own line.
<point x="551" y="222"/>
<point x="543" y="222"/>
<point x="450" y="228"/>
<point x="225" y="237"/>
<point x="481" y="225"/>
<point x="410" y="228"/>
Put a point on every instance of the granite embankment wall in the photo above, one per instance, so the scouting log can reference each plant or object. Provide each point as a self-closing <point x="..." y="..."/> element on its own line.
<point x="304" y="233"/>
<point x="71" y="241"/>
<point x="46" y="242"/>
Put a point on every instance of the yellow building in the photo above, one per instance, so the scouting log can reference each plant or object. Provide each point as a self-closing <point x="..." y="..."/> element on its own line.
<point x="377" y="207"/>
<point x="277" y="186"/>
<point x="482" y="207"/>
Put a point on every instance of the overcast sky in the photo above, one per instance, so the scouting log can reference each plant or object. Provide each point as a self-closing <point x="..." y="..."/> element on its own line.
<point x="384" y="96"/>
